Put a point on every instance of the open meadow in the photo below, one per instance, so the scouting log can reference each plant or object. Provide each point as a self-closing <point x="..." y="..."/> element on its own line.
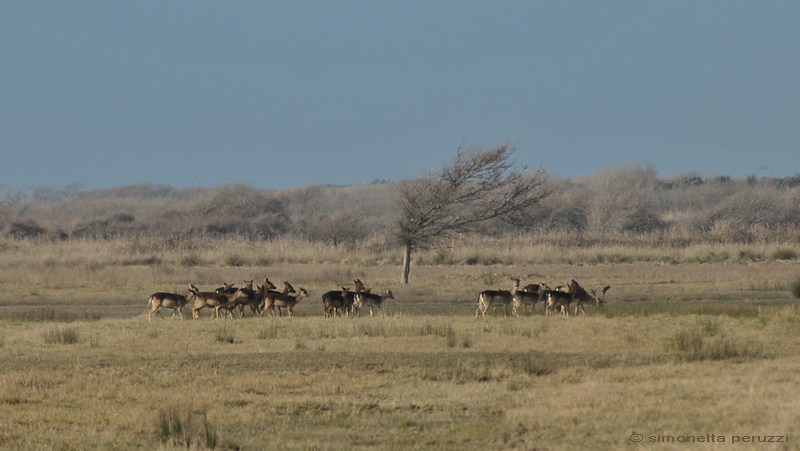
<point x="696" y="348"/>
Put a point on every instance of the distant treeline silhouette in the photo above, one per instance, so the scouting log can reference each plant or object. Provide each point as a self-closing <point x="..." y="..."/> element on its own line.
<point x="618" y="204"/>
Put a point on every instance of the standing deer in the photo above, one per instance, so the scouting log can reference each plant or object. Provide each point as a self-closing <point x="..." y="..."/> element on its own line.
<point x="287" y="289"/>
<point x="274" y="299"/>
<point x="529" y="296"/>
<point x="371" y="300"/>
<point x="343" y="299"/>
<point x="211" y="300"/>
<point x="557" y="300"/>
<point x="166" y="300"/>
<point x="333" y="302"/>
<point x="492" y="298"/>
<point x="248" y="294"/>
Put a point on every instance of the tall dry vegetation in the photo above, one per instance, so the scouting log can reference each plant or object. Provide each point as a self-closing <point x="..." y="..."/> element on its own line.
<point x="624" y="205"/>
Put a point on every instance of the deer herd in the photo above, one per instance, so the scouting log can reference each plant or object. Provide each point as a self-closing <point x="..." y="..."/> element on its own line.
<point x="227" y="300"/>
<point x="559" y="299"/>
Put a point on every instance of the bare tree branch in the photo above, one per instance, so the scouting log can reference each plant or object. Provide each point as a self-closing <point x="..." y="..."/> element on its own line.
<point x="479" y="185"/>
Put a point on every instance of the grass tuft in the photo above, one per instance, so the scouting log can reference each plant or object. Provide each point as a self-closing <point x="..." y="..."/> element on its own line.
<point x="225" y="336"/>
<point x="794" y="288"/>
<point x="705" y="341"/>
<point x="192" y="260"/>
<point x="180" y="427"/>
<point x="235" y="260"/>
<point x="60" y="335"/>
<point x="784" y="254"/>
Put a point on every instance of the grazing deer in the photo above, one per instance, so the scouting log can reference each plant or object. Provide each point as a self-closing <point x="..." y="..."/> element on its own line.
<point x="586" y="299"/>
<point x="166" y="300"/>
<point x="274" y="299"/>
<point x="371" y="300"/>
<point x="561" y="300"/>
<point x="343" y="299"/>
<point x="210" y="299"/>
<point x="496" y="298"/>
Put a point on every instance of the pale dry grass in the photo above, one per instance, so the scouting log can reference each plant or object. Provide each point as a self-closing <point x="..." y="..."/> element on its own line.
<point x="393" y="382"/>
<point x="681" y="350"/>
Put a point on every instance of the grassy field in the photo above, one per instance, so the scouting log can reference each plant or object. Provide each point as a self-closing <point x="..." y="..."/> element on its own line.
<point x="690" y="354"/>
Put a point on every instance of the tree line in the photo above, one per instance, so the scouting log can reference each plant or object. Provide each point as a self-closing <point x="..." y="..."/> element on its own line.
<point x="479" y="191"/>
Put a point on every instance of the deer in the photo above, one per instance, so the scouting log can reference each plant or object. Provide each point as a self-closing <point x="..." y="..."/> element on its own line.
<point x="166" y="300"/>
<point x="538" y="288"/>
<point x="270" y="288"/>
<point x="557" y="300"/>
<point x="490" y="298"/>
<point x="343" y="299"/>
<point x="333" y="302"/>
<point x="371" y="300"/>
<point x="227" y="287"/>
<point x="274" y="299"/>
<point x="252" y="298"/>
<point x="212" y="300"/>
<point x="527" y="298"/>
<point x="561" y="300"/>
<point x="247" y="295"/>
<point x="586" y="299"/>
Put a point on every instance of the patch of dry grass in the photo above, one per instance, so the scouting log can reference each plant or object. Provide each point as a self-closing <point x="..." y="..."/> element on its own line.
<point x="393" y="382"/>
<point x="680" y="349"/>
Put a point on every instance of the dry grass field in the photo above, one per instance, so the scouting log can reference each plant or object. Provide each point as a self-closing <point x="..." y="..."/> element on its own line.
<point x="692" y="351"/>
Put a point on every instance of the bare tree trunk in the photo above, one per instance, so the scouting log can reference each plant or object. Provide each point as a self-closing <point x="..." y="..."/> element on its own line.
<point x="406" y="263"/>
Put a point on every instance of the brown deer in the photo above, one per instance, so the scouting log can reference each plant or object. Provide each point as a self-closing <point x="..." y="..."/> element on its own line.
<point x="247" y="294"/>
<point x="166" y="300"/>
<point x="586" y="299"/>
<point x="210" y="299"/>
<point x="529" y="296"/>
<point x="333" y="302"/>
<point x="496" y="298"/>
<point x="341" y="299"/>
<point x="371" y="300"/>
<point x="287" y="289"/>
<point x="561" y="300"/>
<point x="557" y="300"/>
<point x="273" y="300"/>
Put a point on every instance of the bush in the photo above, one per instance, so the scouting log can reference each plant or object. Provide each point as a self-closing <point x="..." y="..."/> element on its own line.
<point x="784" y="254"/>
<point x="28" y="229"/>
<point x="794" y="287"/>
<point x="235" y="260"/>
<point x="191" y="260"/>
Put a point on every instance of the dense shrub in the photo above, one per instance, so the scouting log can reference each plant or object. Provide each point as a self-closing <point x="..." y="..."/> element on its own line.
<point x="27" y="229"/>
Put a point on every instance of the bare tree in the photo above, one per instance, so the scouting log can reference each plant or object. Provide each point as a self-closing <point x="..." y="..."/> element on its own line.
<point x="477" y="186"/>
<point x="623" y="199"/>
<point x="335" y="229"/>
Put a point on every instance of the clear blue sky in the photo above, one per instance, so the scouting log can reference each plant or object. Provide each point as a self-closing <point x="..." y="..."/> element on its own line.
<point x="289" y="93"/>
